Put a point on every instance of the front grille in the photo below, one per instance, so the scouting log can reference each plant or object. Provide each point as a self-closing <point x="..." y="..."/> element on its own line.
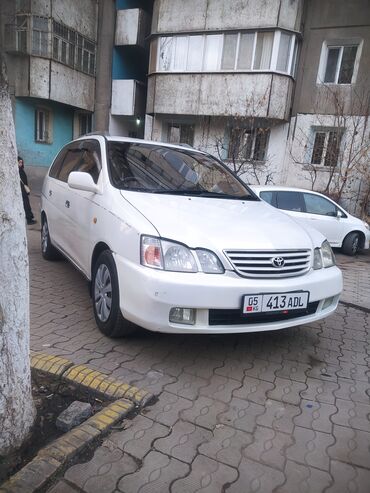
<point x="249" y="263"/>
<point x="235" y="317"/>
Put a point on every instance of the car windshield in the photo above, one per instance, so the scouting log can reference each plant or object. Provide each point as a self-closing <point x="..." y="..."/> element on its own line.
<point x="159" y="169"/>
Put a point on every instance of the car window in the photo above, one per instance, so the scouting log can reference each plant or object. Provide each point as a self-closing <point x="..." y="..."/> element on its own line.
<point x="268" y="197"/>
<point x="90" y="161"/>
<point x="319" y="205"/>
<point x="70" y="162"/>
<point x="290" y="201"/>
<point x="54" y="170"/>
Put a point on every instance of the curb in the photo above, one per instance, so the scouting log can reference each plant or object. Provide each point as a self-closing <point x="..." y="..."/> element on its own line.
<point x="89" y="379"/>
<point x="353" y="305"/>
<point x="50" y="460"/>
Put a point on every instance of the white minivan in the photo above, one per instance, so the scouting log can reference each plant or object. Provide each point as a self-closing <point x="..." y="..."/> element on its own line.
<point x="172" y="241"/>
<point x="310" y="208"/>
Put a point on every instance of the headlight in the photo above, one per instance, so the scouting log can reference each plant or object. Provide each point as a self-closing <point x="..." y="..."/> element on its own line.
<point x="172" y="256"/>
<point x="209" y="262"/>
<point x="328" y="259"/>
<point x="317" y="262"/>
<point x="178" y="258"/>
<point x="323" y="257"/>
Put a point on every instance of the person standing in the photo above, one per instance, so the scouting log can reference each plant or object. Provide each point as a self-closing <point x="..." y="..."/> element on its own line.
<point x="25" y="192"/>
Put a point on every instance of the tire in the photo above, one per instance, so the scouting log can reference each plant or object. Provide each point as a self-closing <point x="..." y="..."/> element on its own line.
<point x="48" y="251"/>
<point x="105" y="298"/>
<point x="351" y="244"/>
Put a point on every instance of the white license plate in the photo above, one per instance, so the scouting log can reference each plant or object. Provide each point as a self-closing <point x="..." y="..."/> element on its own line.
<point x="275" y="302"/>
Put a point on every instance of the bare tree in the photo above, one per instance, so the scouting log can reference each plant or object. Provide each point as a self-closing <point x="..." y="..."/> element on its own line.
<point x="339" y="163"/>
<point x="16" y="406"/>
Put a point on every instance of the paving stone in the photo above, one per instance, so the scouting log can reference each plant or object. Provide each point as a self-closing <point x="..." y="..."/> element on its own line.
<point x="316" y="416"/>
<point x="264" y="370"/>
<point x="167" y="409"/>
<point x="207" y="476"/>
<point x="353" y="391"/>
<point x="234" y="368"/>
<point x="156" y="474"/>
<point x="286" y="391"/>
<point x="356" y="372"/>
<point x="256" y="478"/>
<point x="187" y="386"/>
<point x="75" y="414"/>
<point x="205" y="412"/>
<point x="203" y="367"/>
<point x="220" y="388"/>
<point x="241" y="414"/>
<point x="253" y="390"/>
<point x="351" y="446"/>
<point x="63" y="487"/>
<point x="102" y="472"/>
<point x="226" y="445"/>
<point x="278" y="416"/>
<point x="304" y="479"/>
<point x="320" y="390"/>
<point x="138" y="435"/>
<point x="154" y="381"/>
<point x="268" y="447"/>
<point x="293" y="371"/>
<point x="310" y="448"/>
<point x="348" y="478"/>
<point x="352" y="414"/>
<point x="324" y="371"/>
<point x="183" y="441"/>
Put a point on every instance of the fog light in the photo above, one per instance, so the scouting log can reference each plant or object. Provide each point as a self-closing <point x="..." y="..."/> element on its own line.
<point x="182" y="316"/>
<point x="327" y="302"/>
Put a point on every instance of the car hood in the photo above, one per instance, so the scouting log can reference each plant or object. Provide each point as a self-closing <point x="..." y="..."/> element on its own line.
<point x="220" y="223"/>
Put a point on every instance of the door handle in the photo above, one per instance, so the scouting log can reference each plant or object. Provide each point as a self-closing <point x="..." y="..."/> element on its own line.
<point x="50" y="193"/>
<point x="67" y="204"/>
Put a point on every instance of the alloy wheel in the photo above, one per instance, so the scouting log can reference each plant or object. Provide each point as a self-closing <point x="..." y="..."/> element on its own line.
<point x="103" y="292"/>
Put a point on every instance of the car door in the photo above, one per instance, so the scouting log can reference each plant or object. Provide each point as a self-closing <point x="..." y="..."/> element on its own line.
<point x="322" y="214"/>
<point x="58" y="194"/>
<point x="83" y="205"/>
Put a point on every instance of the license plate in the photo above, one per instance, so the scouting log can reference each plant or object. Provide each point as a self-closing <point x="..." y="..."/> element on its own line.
<point x="275" y="302"/>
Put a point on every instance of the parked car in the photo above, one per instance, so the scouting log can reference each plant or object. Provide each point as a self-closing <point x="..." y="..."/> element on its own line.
<point x="314" y="209"/>
<point x="172" y="241"/>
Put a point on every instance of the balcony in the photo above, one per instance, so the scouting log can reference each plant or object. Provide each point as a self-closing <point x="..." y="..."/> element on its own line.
<point x="128" y="97"/>
<point x="132" y="27"/>
<point x="260" y="95"/>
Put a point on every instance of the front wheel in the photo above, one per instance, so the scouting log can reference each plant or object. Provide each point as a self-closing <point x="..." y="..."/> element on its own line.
<point x="351" y="244"/>
<point x="105" y="295"/>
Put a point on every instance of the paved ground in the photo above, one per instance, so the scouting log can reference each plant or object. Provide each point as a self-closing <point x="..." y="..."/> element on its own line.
<point x="285" y="411"/>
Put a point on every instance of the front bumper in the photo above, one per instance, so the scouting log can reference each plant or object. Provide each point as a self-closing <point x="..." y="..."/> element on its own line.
<point x="147" y="295"/>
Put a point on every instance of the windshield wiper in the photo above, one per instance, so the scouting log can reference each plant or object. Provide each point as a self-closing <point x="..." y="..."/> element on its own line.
<point x="204" y="193"/>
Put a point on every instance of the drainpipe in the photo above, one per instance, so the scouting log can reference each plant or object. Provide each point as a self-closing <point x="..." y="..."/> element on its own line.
<point x="103" y="81"/>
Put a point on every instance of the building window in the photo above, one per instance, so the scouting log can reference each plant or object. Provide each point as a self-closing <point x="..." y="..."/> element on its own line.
<point x="267" y="50"/>
<point x="73" y="49"/>
<point x="326" y="147"/>
<point x="84" y="123"/>
<point x="180" y="133"/>
<point x="40" y="36"/>
<point x="43" y="125"/>
<point x="338" y="65"/>
<point x="248" y="144"/>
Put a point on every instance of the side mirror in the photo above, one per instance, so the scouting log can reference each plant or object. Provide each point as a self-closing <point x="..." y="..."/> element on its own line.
<point x="82" y="181"/>
<point x="339" y="214"/>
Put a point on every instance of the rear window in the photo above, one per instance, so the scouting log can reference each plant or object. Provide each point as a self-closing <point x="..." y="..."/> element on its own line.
<point x="290" y="201"/>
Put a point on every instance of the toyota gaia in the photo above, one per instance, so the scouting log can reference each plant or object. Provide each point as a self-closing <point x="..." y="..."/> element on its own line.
<point x="172" y="241"/>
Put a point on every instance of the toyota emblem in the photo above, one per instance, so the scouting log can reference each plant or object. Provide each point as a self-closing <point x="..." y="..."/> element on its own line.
<point x="278" y="262"/>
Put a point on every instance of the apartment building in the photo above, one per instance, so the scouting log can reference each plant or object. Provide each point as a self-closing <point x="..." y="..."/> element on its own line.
<point x="51" y="51"/>
<point x="221" y="77"/>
